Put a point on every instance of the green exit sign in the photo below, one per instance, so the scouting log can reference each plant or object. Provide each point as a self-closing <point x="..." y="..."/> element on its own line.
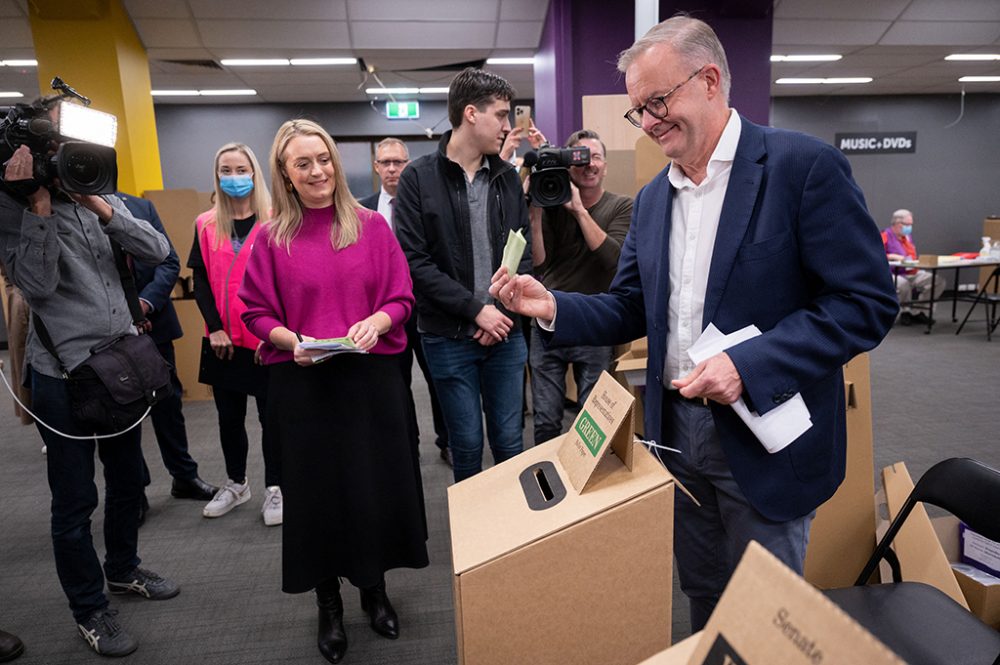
<point x="402" y="110"/>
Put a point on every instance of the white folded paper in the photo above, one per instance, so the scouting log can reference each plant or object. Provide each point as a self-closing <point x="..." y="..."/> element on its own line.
<point x="778" y="427"/>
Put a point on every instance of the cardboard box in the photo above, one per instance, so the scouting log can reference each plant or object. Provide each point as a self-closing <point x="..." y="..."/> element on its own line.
<point x="563" y="554"/>
<point x="842" y="536"/>
<point x="981" y="593"/>
<point x="768" y="615"/>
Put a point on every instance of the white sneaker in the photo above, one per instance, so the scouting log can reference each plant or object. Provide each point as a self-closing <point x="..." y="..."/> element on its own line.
<point x="272" y="510"/>
<point x="228" y="497"/>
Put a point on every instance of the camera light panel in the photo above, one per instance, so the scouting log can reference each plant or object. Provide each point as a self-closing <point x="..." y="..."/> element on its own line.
<point x="86" y="124"/>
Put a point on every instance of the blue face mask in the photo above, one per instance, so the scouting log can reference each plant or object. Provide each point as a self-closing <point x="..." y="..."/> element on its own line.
<point x="236" y="186"/>
<point x="907" y="230"/>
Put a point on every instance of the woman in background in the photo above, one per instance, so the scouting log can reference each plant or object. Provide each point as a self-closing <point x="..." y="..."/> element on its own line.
<point x="223" y="239"/>
<point x="325" y="267"/>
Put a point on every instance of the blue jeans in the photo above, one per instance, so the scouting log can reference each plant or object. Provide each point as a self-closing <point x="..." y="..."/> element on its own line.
<point x="709" y="540"/>
<point x="74" y="498"/>
<point x="471" y="380"/>
<point x="548" y="380"/>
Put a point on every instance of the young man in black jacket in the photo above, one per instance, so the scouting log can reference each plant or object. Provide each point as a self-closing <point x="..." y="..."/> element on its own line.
<point x="453" y="212"/>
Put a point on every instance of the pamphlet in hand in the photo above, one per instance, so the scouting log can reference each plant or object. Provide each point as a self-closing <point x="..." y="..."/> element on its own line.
<point x="333" y="346"/>
<point x="513" y="251"/>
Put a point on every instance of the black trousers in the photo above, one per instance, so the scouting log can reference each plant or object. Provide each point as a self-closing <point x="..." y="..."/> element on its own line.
<point x="414" y="348"/>
<point x="168" y="425"/>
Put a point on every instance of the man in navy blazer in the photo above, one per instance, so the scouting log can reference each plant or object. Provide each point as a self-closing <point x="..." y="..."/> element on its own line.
<point x="748" y="225"/>
<point x="154" y="284"/>
<point x="391" y="157"/>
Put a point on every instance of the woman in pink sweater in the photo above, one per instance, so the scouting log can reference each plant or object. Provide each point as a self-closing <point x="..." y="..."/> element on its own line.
<point x="325" y="267"/>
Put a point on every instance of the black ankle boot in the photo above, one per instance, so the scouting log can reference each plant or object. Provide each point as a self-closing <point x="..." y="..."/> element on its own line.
<point x="380" y="613"/>
<point x="331" y="639"/>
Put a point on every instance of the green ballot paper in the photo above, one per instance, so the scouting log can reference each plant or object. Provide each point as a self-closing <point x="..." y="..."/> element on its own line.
<point x="513" y="251"/>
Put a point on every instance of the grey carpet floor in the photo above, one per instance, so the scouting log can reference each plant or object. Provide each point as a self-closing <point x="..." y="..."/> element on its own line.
<point x="934" y="396"/>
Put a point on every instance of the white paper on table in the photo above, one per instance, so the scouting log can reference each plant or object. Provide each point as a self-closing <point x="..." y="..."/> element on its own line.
<point x="777" y="428"/>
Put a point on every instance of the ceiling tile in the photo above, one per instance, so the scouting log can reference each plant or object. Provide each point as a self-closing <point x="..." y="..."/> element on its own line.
<point x="886" y="10"/>
<point x="424" y="10"/>
<point x="182" y="81"/>
<point x="968" y="33"/>
<point x="820" y="33"/>
<point x="311" y="10"/>
<point x="963" y="10"/>
<point x="304" y="76"/>
<point x="402" y="35"/>
<point x="16" y="33"/>
<point x="524" y="10"/>
<point x="167" y="33"/>
<point x="519" y="34"/>
<point x="179" y="54"/>
<point x="157" y="8"/>
<point x="277" y="34"/>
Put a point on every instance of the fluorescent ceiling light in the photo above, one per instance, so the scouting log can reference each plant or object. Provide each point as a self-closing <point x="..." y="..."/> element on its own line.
<point x="979" y="79"/>
<point x="255" y="62"/>
<point x="824" y="81"/>
<point x="199" y="93"/>
<point x="510" y="61"/>
<point x="973" y="57"/>
<point x="323" y="61"/>
<point x="216" y="93"/>
<point x="392" y="91"/>
<point x="10" y="94"/>
<point x="18" y="63"/>
<point x="433" y="91"/>
<point x="806" y="58"/>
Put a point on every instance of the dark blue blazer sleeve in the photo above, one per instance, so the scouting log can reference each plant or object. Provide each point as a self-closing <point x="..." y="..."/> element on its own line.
<point x="371" y="201"/>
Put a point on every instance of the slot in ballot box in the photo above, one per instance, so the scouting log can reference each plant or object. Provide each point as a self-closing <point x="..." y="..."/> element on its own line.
<point x="563" y="554"/>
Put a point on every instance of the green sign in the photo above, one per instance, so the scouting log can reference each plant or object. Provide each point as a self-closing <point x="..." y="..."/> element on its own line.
<point x="402" y="110"/>
<point x="590" y="433"/>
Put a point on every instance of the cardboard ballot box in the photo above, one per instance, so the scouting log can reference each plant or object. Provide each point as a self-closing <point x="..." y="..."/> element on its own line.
<point x="563" y="554"/>
<point x="770" y="615"/>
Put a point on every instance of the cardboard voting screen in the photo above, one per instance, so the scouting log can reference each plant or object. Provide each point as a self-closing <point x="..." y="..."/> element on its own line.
<point x="604" y="423"/>
<point x="768" y="614"/>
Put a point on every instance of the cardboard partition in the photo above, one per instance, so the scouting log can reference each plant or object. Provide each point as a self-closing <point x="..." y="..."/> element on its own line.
<point x="548" y="574"/>
<point x="630" y="371"/>
<point x="679" y="654"/>
<point x="981" y="592"/>
<point x="768" y="615"/>
<point x="187" y="350"/>
<point x="921" y="558"/>
<point x="842" y="537"/>
<point x="177" y="209"/>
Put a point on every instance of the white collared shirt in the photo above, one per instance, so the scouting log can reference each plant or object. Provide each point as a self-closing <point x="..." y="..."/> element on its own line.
<point x="694" y="223"/>
<point x="385" y="206"/>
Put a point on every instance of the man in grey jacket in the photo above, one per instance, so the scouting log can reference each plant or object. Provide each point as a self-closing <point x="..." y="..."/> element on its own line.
<point x="57" y="249"/>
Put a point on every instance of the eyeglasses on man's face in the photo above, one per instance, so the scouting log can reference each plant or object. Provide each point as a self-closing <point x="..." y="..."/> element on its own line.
<point x="656" y="106"/>
<point x="397" y="163"/>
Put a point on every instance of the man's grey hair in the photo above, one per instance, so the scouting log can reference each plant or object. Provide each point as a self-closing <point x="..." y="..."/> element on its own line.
<point x="692" y="39"/>
<point x="391" y="140"/>
<point x="901" y="215"/>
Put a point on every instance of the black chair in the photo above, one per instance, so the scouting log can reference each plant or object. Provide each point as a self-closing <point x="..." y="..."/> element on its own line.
<point x="921" y="624"/>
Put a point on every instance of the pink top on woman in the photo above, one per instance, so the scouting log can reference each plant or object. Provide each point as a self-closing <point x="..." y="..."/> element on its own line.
<point x="320" y="291"/>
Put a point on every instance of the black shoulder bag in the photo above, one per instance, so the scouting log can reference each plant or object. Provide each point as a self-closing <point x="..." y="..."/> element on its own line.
<point x="115" y="387"/>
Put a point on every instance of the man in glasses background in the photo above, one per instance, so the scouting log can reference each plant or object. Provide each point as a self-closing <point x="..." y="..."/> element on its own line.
<point x="391" y="157"/>
<point x="748" y="226"/>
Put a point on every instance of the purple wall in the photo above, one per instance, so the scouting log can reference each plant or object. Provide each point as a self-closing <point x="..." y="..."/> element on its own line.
<point x="581" y="41"/>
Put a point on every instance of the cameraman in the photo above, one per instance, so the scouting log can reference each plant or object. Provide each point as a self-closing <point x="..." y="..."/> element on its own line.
<point x="57" y="249"/>
<point x="575" y="248"/>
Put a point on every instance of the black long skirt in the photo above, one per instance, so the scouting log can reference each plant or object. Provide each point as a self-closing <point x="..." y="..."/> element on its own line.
<point x="353" y="500"/>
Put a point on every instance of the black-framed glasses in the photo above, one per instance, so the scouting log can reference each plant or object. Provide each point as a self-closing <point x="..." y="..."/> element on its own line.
<point x="398" y="163"/>
<point x="656" y="106"/>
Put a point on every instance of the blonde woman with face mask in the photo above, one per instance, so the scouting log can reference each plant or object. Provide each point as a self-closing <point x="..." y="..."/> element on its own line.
<point x="224" y="236"/>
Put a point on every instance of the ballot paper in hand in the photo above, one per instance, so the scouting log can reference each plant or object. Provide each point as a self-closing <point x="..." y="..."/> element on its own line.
<point x="333" y="346"/>
<point x="778" y="427"/>
<point x="513" y="251"/>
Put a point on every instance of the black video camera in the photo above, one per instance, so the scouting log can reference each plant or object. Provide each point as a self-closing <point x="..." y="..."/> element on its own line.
<point x="550" y="183"/>
<point x="87" y="165"/>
